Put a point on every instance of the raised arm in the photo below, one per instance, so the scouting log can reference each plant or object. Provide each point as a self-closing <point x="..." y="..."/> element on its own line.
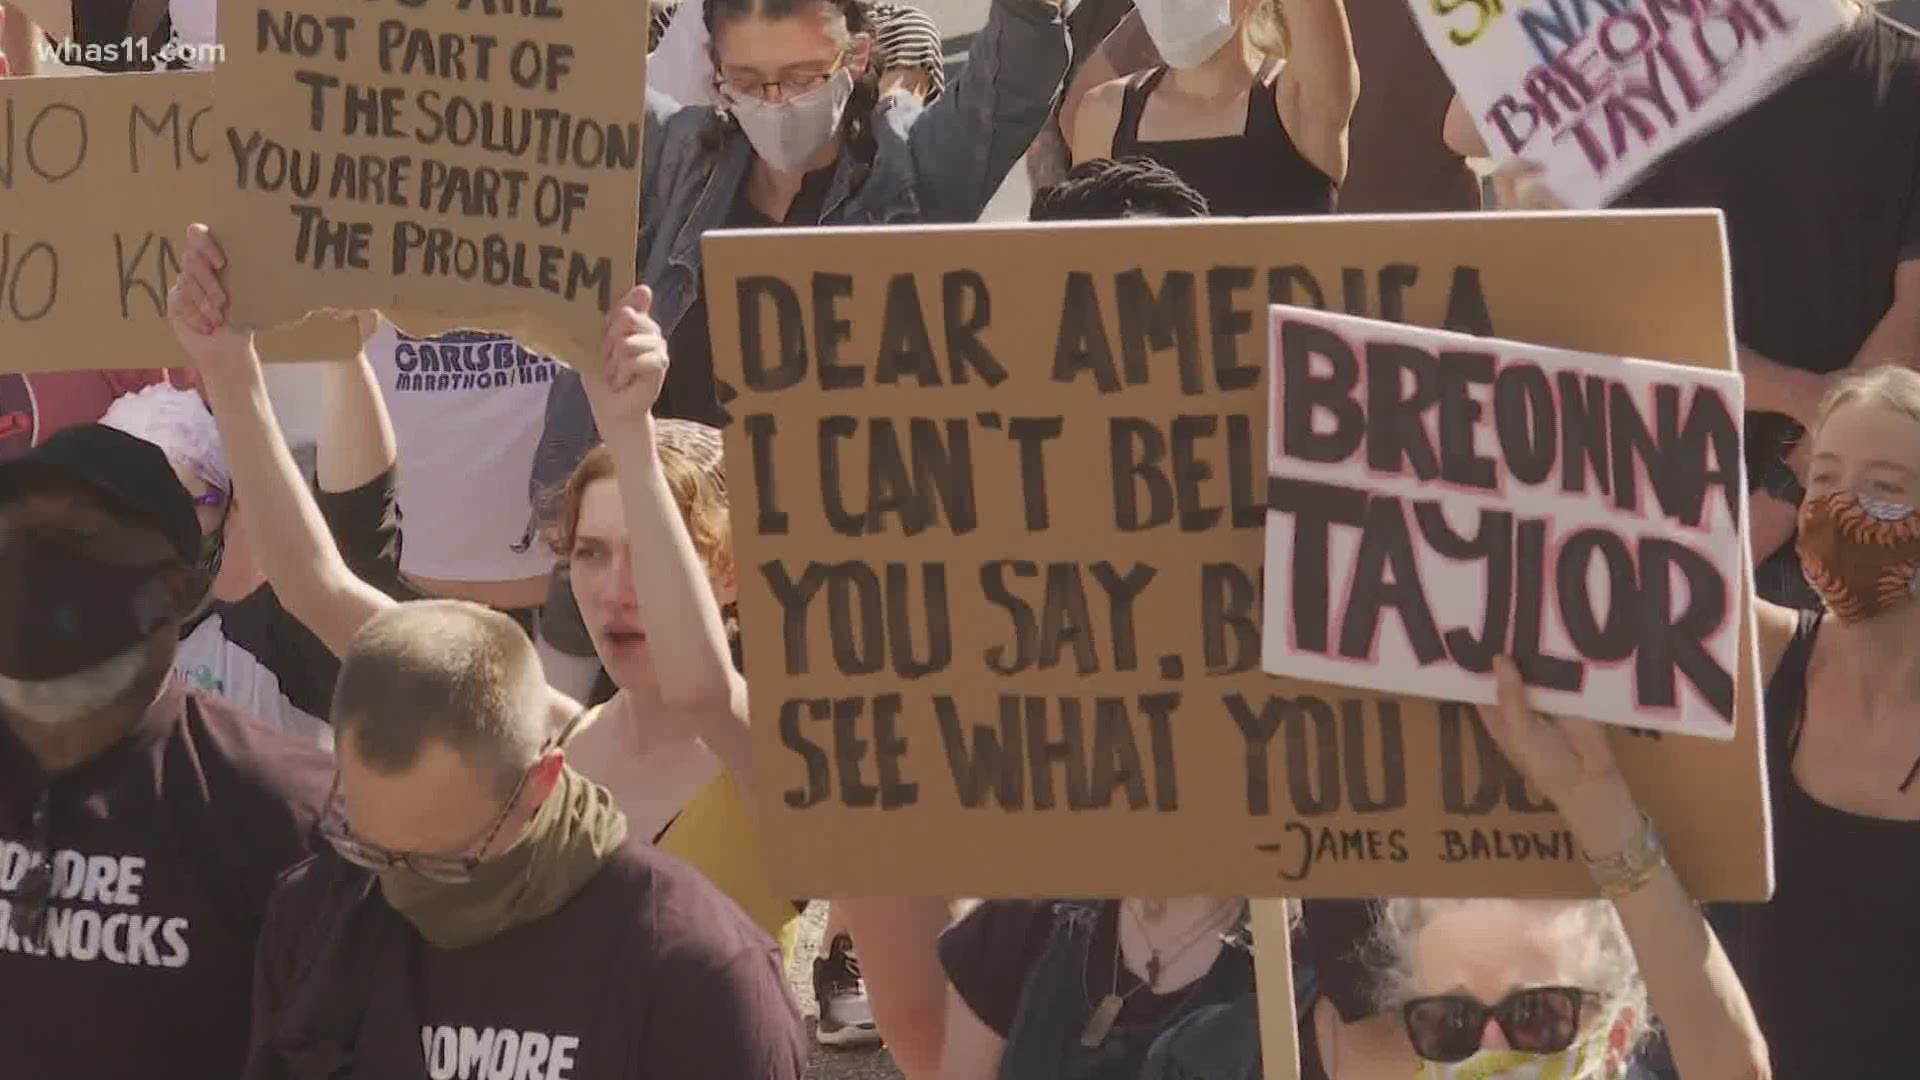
<point x="965" y="144"/>
<point x="699" y="688"/>
<point x="1691" y="985"/>
<point x="290" y="537"/>
<point x="1320" y="83"/>
<point x="356" y="433"/>
<point x="1459" y="132"/>
<point x="19" y="39"/>
<point x="1121" y="53"/>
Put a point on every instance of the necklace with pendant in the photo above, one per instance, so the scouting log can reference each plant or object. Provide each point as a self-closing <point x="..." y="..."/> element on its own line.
<point x="1107" y="1013"/>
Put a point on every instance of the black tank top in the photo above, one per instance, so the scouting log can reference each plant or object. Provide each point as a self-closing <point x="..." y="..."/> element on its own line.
<point x="1829" y="964"/>
<point x="1258" y="173"/>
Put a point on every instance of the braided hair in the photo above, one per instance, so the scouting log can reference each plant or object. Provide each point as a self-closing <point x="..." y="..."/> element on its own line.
<point x="1103" y="189"/>
<point x="857" y="125"/>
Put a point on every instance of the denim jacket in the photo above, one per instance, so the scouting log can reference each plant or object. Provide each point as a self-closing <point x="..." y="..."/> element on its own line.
<point x="938" y="164"/>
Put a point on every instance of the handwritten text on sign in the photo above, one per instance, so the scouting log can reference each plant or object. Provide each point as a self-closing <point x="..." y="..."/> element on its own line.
<point x="99" y="178"/>
<point x="474" y="158"/>
<point x="1596" y="91"/>
<point x="1437" y="500"/>
<point x="1000" y="504"/>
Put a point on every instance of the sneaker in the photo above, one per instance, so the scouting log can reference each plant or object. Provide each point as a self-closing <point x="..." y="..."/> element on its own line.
<point x="846" y="1017"/>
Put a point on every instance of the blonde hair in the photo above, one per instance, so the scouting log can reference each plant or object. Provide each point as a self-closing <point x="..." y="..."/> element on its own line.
<point x="1267" y="30"/>
<point x="1894" y="386"/>
<point x="1612" y="971"/>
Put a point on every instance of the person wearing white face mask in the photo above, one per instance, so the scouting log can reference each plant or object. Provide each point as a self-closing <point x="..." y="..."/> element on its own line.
<point x="1251" y="104"/>
<point x="800" y="137"/>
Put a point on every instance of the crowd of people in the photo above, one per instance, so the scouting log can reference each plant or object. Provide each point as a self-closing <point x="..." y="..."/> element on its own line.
<point x="427" y="754"/>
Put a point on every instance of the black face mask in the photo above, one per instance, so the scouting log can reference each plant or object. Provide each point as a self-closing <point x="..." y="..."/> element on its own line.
<point x="66" y="612"/>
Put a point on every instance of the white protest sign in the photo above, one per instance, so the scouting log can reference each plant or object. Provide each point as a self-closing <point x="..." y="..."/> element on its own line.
<point x="1597" y="91"/>
<point x="1436" y="499"/>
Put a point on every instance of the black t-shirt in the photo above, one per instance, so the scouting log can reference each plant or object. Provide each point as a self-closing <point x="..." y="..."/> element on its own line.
<point x="648" y="972"/>
<point x="166" y="846"/>
<point x="1818" y="183"/>
<point x="690" y="392"/>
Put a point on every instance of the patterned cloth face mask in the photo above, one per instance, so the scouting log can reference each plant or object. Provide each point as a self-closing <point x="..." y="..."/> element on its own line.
<point x="1861" y="554"/>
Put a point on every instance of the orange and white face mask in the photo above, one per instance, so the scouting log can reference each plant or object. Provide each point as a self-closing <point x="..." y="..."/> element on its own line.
<point x="1861" y="554"/>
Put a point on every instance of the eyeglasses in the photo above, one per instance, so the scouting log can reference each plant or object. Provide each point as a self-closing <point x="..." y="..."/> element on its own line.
<point x="1538" y="1020"/>
<point x="791" y="84"/>
<point x="33" y="901"/>
<point x="440" y="868"/>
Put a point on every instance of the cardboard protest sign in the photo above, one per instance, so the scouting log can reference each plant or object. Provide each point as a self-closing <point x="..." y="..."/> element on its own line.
<point x="1436" y="500"/>
<point x="452" y="163"/>
<point x="999" y="499"/>
<point x="100" y="175"/>
<point x="1597" y="91"/>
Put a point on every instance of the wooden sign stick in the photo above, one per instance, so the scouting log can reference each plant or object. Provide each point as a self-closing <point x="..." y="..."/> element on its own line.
<point x="1273" y="975"/>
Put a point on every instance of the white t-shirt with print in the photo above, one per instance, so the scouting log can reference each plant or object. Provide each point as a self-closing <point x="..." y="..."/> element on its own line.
<point x="468" y="409"/>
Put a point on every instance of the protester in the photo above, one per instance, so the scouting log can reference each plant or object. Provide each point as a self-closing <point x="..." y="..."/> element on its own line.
<point x="467" y="858"/>
<point x="240" y="643"/>
<point x="141" y="824"/>
<point x="35" y="405"/>
<point x="479" y="838"/>
<point x="466" y="410"/>
<point x="1397" y="160"/>
<point x="1829" y="960"/>
<point x="680" y="769"/>
<point x="1511" y="989"/>
<point x="801" y="142"/>
<point x="663" y="764"/>
<point x="1107" y="991"/>
<point x="1254" y="134"/>
<point x="1832" y="286"/>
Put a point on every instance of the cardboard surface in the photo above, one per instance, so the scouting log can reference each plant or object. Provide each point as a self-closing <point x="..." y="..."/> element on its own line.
<point x="920" y="623"/>
<point x="1436" y="500"/>
<point x="458" y="163"/>
<point x="100" y="175"/>
<point x="1598" y="92"/>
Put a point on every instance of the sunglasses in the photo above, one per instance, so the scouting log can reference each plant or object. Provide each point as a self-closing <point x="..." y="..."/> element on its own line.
<point x="1539" y="1020"/>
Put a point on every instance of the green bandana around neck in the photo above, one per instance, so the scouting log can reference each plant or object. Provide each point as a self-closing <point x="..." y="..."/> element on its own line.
<point x="570" y="837"/>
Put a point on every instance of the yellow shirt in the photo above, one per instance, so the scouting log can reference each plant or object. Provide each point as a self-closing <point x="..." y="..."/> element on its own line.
<point x="715" y="835"/>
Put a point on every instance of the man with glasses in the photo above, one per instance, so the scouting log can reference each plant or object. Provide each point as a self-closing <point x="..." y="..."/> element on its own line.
<point x="481" y="911"/>
<point x="141" y="825"/>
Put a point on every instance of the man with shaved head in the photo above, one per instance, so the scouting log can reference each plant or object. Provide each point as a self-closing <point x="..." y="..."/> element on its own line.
<point x="480" y="911"/>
